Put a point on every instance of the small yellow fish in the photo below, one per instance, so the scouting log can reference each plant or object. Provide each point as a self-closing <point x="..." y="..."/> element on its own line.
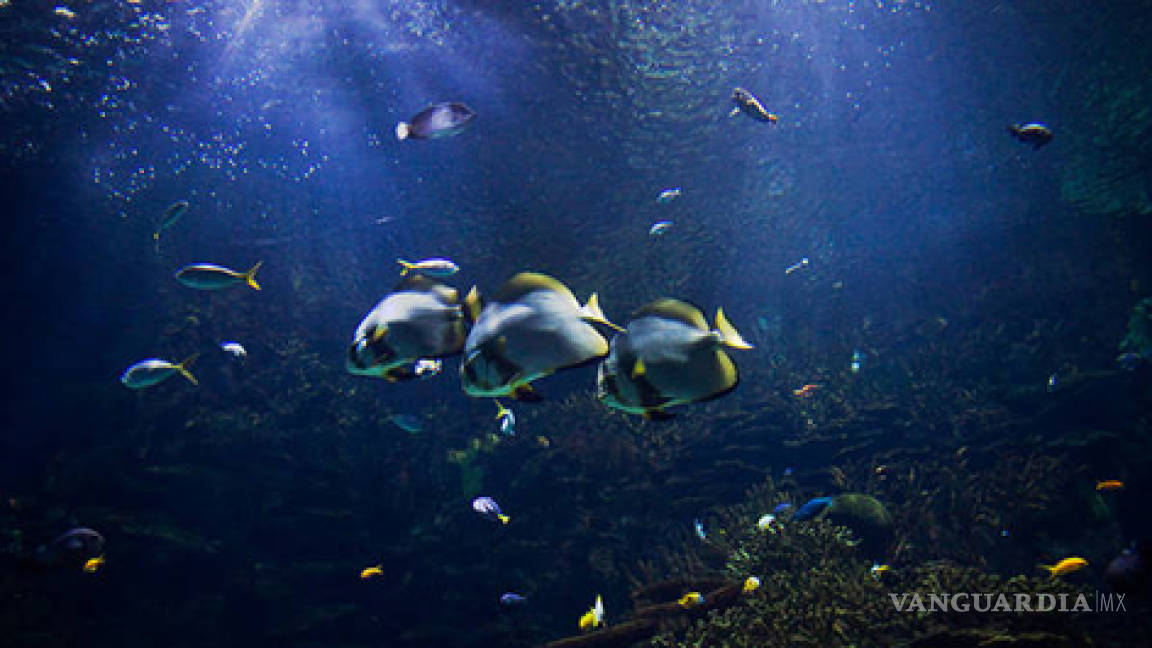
<point x="1109" y="484"/>
<point x="372" y="572"/>
<point x="751" y="584"/>
<point x="594" y="617"/>
<point x="690" y="600"/>
<point x="1066" y="566"/>
<point x="878" y="570"/>
<point x="543" y="441"/>
<point x="93" y="564"/>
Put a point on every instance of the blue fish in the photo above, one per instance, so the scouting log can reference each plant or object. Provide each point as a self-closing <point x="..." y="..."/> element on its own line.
<point x="700" y="529"/>
<point x="410" y="423"/>
<point x="811" y="509"/>
<point x="781" y="507"/>
<point x="512" y="598"/>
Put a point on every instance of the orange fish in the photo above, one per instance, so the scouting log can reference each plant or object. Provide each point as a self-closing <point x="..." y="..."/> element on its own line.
<point x="1066" y="566"/>
<point x="1109" y="484"/>
<point x="805" y="391"/>
<point x="371" y="572"/>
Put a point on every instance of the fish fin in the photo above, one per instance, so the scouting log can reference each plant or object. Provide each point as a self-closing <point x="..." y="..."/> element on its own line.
<point x="773" y="117"/>
<point x="525" y="393"/>
<point x="524" y="283"/>
<point x="472" y="304"/>
<point x="592" y="313"/>
<point x="183" y="369"/>
<point x="674" y="309"/>
<point x="735" y="111"/>
<point x="729" y="336"/>
<point x="638" y="369"/>
<point x="403" y="130"/>
<point x="379" y="333"/>
<point x="658" y="415"/>
<point x="504" y="519"/>
<point x="250" y="276"/>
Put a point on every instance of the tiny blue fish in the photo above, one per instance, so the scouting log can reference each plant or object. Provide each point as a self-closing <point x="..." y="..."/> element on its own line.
<point x="507" y="419"/>
<point x="487" y="507"/>
<point x="857" y="361"/>
<point x="1129" y="361"/>
<point x="781" y="507"/>
<point x="512" y="598"/>
<point x="410" y="423"/>
<point x="787" y="472"/>
<point x="813" y="508"/>
<point x="658" y="228"/>
<point x="668" y="195"/>
<point x="235" y="348"/>
<point x="699" y="526"/>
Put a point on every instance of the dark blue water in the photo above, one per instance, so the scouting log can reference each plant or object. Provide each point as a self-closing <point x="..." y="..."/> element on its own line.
<point x="966" y="267"/>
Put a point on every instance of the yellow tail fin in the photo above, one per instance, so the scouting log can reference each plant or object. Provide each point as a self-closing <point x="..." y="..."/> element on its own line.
<point x="592" y="312"/>
<point x="407" y="266"/>
<point x="472" y="305"/>
<point x="504" y="519"/>
<point x="500" y="409"/>
<point x="729" y="336"/>
<point x="250" y="276"/>
<point x="1051" y="569"/>
<point x="183" y="369"/>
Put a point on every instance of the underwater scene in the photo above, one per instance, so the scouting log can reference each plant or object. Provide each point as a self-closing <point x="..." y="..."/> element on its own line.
<point x="576" y="323"/>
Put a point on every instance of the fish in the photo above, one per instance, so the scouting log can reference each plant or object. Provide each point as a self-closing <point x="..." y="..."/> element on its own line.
<point x="857" y="361"/>
<point x="1066" y="566"/>
<point x="489" y="509"/>
<point x="1033" y="133"/>
<point x="93" y="564"/>
<point x="420" y="318"/>
<point x="170" y="216"/>
<point x="659" y="227"/>
<point x="877" y="570"/>
<point x="1129" y="360"/>
<point x="751" y="584"/>
<point x="436" y="121"/>
<point x="690" y="600"/>
<point x="507" y="419"/>
<point x="410" y="423"/>
<point x="806" y="391"/>
<point x="152" y="371"/>
<point x="767" y="522"/>
<point x="72" y="548"/>
<point x="235" y="348"/>
<point x="698" y="526"/>
<point x="1109" y="484"/>
<point x="436" y="267"/>
<point x="812" y="508"/>
<point x="512" y="598"/>
<point x="668" y="356"/>
<point x="802" y="263"/>
<point x="372" y="572"/>
<point x="781" y="507"/>
<point x="427" y="367"/>
<point x="532" y="327"/>
<point x="747" y="103"/>
<point x="209" y="276"/>
<point x="594" y="617"/>
<point x="668" y="195"/>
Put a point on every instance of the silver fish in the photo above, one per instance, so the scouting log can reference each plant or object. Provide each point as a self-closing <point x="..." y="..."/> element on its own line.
<point x="152" y="371"/>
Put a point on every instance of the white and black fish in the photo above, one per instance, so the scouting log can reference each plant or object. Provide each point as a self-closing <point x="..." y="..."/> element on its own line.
<point x="420" y="318"/>
<point x="436" y="121"/>
<point x="668" y="356"/>
<point x="532" y="327"/>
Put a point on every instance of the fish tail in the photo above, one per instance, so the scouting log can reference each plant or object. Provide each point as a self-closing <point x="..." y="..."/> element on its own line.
<point x="250" y="276"/>
<point x="729" y="336"/>
<point x="472" y="304"/>
<point x="183" y="369"/>
<point x="500" y="409"/>
<point x="403" y="130"/>
<point x="1051" y="569"/>
<point x="592" y="312"/>
<point x="407" y="266"/>
<point x="156" y="235"/>
<point x="504" y="519"/>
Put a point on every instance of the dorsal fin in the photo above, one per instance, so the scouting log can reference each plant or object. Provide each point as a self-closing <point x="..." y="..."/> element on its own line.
<point x="416" y="282"/>
<point x="673" y="309"/>
<point x="526" y="282"/>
